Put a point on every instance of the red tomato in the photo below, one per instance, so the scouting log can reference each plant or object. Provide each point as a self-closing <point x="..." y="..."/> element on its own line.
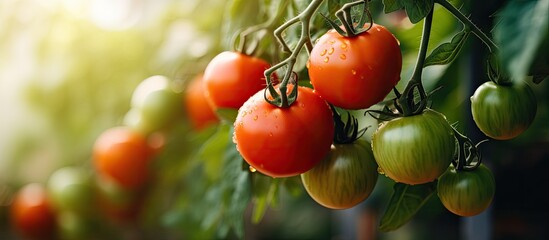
<point x="123" y="155"/>
<point x="199" y="111"/>
<point x="283" y="142"/>
<point x="232" y="77"/>
<point x="32" y="213"/>
<point x="355" y="72"/>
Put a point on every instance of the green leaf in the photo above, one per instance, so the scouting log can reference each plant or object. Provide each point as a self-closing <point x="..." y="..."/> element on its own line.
<point x="392" y="5"/>
<point x="447" y="52"/>
<point x="227" y="114"/>
<point x="404" y="204"/>
<point x="265" y="192"/>
<point x="521" y="32"/>
<point x="213" y="150"/>
<point x="416" y="9"/>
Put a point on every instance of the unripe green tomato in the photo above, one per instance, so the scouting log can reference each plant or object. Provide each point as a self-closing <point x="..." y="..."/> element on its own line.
<point x="344" y="178"/>
<point x="503" y="112"/>
<point x="415" y="149"/>
<point x="155" y="105"/>
<point x="73" y="226"/>
<point x="71" y="189"/>
<point x="466" y="193"/>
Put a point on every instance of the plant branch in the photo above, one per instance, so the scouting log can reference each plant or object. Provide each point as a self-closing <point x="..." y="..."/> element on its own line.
<point x="282" y="99"/>
<point x="492" y="47"/>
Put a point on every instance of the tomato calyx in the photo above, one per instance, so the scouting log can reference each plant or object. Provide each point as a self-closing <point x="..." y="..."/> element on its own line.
<point x="495" y="74"/>
<point x="348" y="132"/>
<point x="350" y="29"/>
<point x="468" y="157"/>
<point x="282" y="99"/>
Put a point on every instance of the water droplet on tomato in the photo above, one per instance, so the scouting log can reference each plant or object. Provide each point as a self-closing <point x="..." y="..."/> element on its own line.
<point x="270" y="134"/>
<point x="332" y="41"/>
<point x="353" y="72"/>
<point x="330" y="51"/>
<point x="308" y="64"/>
<point x="323" y="52"/>
<point x="380" y="171"/>
<point x="252" y="169"/>
<point x="343" y="46"/>
<point x="342" y="56"/>
<point x="326" y="59"/>
<point x="256" y="117"/>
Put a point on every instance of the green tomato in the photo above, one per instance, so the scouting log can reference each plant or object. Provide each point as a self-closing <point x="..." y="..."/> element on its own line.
<point x="466" y="193"/>
<point x="71" y="189"/>
<point x="344" y="178"/>
<point x="503" y="112"/>
<point x="155" y="105"/>
<point x="415" y="149"/>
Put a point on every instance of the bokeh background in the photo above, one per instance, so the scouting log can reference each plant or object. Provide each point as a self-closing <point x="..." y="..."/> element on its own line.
<point x="68" y="69"/>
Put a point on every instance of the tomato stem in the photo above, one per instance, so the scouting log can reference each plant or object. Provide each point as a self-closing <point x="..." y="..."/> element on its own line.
<point x="468" y="156"/>
<point x="407" y="101"/>
<point x="267" y="26"/>
<point x="284" y="99"/>
<point x="492" y="47"/>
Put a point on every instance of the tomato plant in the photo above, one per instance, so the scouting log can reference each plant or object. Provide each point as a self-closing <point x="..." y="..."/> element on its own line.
<point x="155" y="105"/>
<point x="270" y="138"/>
<point x="466" y="193"/>
<point x="415" y="149"/>
<point x="344" y="178"/>
<point x="232" y="77"/>
<point x="355" y="72"/>
<point x="199" y="111"/>
<point x="503" y="111"/>
<point x="32" y="214"/>
<point x="71" y="189"/>
<point x="123" y="155"/>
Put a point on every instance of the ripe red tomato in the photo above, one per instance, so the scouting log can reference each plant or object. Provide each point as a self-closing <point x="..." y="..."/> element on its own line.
<point x="355" y="72"/>
<point x="232" y="77"/>
<point x="284" y="142"/>
<point x="32" y="213"/>
<point x="123" y="155"/>
<point x="199" y="111"/>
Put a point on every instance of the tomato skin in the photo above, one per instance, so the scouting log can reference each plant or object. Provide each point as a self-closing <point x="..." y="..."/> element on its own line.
<point x="123" y="155"/>
<point x="503" y="112"/>
<point x="232" y="77"/>
<point x="284" y="142"/>
<point x="155" y="105"/>
<point x="32" y="213"/>
<point x="344" y="178"/>
<point x="199" y="111"/>
<point x="71" y="189"/>
<point x="466" y="193"/>
<point x="355" y="72"/>
<point x="415" y="149"/>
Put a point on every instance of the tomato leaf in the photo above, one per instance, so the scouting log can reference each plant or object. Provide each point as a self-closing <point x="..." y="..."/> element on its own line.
<point x="265" y="191"/>
<point x="212" y="151"/>
<point x="521" y="31"/>
<point x="392" y="5"/>
<point x="404" y="204"/>
<point x="447" y="52"/>
<point x="416" y="10"/>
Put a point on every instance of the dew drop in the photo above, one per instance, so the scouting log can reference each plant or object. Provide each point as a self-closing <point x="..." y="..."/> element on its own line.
<point x="308" y="64"/>
<point x="252" y="169"/>
<point x="326" y="59"/>
<point x="234" y="139"/>
<point x="323" y="52"/>
<point x="343" y="46"/>
<point x="398" y="42"/>
<point x="330" y="51"/>
<point x="256" y="117"/>
<point x="270" y="134"/>
<point x="380" y="171"/>
<point x="332" y="41"/>
<point x="353" y="72"/>
<point x="342" y="56"/>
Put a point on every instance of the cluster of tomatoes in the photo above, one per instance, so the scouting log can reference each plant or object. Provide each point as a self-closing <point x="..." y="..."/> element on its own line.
<point x="338" y="167"/>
